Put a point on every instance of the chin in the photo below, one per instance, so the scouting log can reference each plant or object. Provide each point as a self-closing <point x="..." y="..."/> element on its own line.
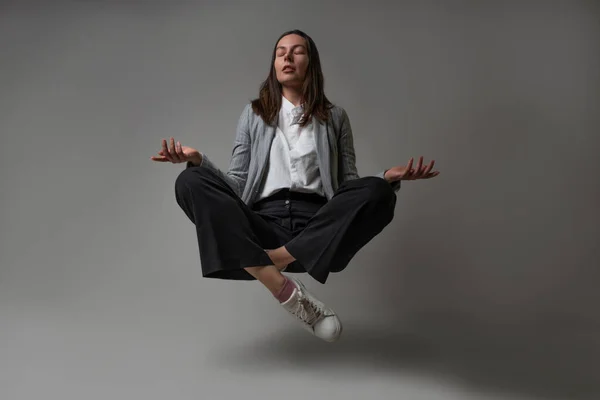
<point x="290" y="81"/>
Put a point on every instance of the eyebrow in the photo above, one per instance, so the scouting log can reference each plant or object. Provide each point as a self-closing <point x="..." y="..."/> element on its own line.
<point x="293" y="47"/>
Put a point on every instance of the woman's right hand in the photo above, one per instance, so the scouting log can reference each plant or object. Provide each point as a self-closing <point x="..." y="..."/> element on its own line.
<point x="176" y="153"/>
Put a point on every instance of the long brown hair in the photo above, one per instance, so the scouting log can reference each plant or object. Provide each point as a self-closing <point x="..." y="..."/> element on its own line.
<point x="316" y="104"/>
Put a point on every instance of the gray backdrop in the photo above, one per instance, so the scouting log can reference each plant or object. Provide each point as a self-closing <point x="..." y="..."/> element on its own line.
<point x="484" y="286"/>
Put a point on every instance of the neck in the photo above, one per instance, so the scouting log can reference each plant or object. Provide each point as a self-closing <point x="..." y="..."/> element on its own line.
<point x="293" y="95"/>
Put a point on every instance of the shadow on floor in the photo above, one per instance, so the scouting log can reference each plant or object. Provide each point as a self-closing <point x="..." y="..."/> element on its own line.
<point x="498" y="362"/>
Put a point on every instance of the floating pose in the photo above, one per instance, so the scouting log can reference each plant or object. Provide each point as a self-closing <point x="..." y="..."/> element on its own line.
<point x="292" y="199"/>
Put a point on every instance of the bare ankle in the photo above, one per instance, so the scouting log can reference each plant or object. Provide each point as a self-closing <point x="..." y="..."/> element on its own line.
<point x="270" y="276"/>
<point x="275" y="283"/>
<point x="281" y="257"/>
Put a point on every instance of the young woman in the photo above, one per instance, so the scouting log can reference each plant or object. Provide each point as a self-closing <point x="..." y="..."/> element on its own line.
<point x="292" y="199"/>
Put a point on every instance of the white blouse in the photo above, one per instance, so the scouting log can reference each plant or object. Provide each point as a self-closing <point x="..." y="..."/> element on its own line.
<point x="293" y="160"/>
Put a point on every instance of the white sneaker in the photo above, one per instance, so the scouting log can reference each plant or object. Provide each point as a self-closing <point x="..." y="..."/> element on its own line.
<point x="318" y="319"/>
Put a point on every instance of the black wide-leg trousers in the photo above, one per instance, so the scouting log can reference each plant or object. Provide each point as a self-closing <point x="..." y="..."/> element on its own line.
<point x="321" y="235"/>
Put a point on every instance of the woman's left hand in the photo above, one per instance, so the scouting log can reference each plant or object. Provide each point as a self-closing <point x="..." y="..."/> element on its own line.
<point x="408" y="173"/>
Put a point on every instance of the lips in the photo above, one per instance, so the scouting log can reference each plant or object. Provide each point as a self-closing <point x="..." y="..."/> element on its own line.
<point x="288" y="69"/>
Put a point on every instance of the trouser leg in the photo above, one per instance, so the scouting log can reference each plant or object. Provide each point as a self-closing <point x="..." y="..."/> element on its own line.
<point x="359" y="210"/>
<point x="230" y="235"/>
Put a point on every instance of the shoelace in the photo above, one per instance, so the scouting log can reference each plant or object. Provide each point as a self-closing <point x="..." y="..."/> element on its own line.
<point x="308" y="311"/>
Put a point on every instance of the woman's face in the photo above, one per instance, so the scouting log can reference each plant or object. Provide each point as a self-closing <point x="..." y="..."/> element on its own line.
<point x="291" y="60"/>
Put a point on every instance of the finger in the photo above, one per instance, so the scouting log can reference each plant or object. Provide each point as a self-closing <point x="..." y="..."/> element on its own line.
<point x="419" y="169"/>
<point x="429" y="167"/>
<point x="159" y="159"/>
<point x="180" y="151"/>
<point x="432" y="175"/>
<point x="409" y="168"/>
<point x="420" y="164"/>
<point x="165" y="150"/>
<point x="174" y="151"/>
